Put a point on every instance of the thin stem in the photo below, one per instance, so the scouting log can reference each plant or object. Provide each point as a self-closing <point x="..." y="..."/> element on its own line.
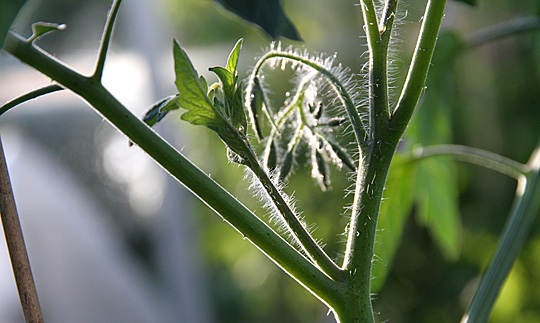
<point x="105" y="41"/>
<point x="505" y="29"/>
<point x="200" y="184"/>
<point x="299" y="232"/>
<point x="416" y="77"/>
<point x="474" y="156"/>
<point x="337" y="85"/>
<point x="371" y="25"/>
<point x="17" y="248"/>
<point x="29" y="96"/>
<point x="524" y="211"/>
<point x="387" y="20"/>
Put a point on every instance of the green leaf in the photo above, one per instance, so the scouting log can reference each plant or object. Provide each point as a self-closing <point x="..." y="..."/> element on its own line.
<point x="396" y="207"/>
<point x="40" y="29"/>
<point x="469" y="2"/>
<point x="437" y="196"/>
<point x="224" y="118"/>
<point x="232" y="62"/>
<point x="228" y="80"/>
<point x="9" y="11"/>
<point x="192" y="94"/>
<point x="233" y="107"/>
<point x="159" y="110"/>
<point x="268" y="14"/>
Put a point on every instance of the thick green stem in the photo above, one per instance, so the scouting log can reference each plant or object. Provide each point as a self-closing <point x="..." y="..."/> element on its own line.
<point x="217" y="198"/>
<point x="524" y="211"/>
<point x="385" y="136"/>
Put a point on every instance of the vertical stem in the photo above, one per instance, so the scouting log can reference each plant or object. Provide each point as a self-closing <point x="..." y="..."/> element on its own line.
<point x="16" y="247"/>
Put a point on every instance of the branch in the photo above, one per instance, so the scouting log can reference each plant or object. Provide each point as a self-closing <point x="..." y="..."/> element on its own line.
<point x="299" y="232"/>
<point x="105" y="41"/>
<point x="200" y="184"/>
<point x="416" y="77"/>
<point x="29" y="96"/>
<point x="474" y="156"/>
<point x="16" y="247"/>
<point x="507" y="28"/>
<point x="338" y="86"/>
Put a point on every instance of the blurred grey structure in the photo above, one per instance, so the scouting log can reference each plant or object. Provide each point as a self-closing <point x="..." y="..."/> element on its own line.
<point x="111" y="237"/>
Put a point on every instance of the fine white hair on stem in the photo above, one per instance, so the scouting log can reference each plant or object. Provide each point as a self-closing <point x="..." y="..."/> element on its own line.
<point x="331" y="76"/>
<point x="275" y="217"/>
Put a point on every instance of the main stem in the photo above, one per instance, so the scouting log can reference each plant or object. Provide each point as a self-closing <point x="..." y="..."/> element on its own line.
<point x="385" y="132"/>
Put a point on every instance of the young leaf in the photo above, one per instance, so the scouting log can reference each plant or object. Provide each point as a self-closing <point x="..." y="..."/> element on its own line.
<point x="41" y="28"/>
<point x="159" y="110"/>
<point x="320" y="170"/>
<point x="228" y="80"/>
<point x="192" y="96"/>
<point x="232" y="62"/>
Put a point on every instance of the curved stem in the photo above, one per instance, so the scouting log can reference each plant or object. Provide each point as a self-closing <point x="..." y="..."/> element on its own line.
<point x="105" y="41"/>
<point x="474" y="156"/>
<point x="29" y="96"/>
<point x="200" y="184"/>
<point x="507" y="28"/>
<point x="524" y="211"/>
<point x="339" y="87"/>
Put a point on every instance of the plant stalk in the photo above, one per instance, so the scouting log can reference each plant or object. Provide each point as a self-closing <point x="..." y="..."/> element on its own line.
<point x="17" y="248"/>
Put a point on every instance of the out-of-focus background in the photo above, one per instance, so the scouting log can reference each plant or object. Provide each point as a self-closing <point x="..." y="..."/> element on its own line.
<point x="112" y="238"/>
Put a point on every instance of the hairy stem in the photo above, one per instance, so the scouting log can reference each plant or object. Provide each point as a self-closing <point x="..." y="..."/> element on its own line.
<point x="345" y="98"/>
<point x="299" y="232"/>
<point x="374" y="168"/>
<point x="416" y="76"/>
<point x="200" y="184"/>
